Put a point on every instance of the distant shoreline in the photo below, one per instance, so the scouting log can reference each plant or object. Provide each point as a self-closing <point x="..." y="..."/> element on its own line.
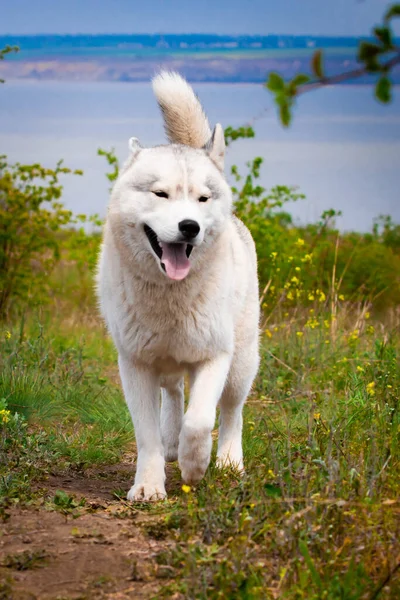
<point x="33" y="81"/>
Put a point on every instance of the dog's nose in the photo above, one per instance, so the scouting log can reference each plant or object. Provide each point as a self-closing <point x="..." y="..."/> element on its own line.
<point x="189" y="228"/>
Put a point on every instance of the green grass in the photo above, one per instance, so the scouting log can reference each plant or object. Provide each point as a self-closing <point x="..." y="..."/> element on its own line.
<point x="316" y="514"/>
<point x="54" y="376"/>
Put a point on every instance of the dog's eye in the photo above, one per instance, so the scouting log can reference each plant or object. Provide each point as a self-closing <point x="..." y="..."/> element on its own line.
<point x="203" y="198"/>
<point x="161" y="194"/>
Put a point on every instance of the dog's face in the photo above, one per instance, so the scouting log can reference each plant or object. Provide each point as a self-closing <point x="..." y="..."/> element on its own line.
<point x="170" y="203"/>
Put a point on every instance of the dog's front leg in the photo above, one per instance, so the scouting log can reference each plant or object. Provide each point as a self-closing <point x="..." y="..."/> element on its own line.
<point x="195" y="442"/>
<point x="142" y="393"/>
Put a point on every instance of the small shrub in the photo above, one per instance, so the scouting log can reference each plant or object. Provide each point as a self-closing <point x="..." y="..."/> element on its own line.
<point x="31" y="215"/>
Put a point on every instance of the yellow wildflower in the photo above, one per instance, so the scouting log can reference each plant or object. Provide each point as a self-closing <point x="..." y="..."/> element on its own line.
<point x="268" y="333"/>
<point x="299" y="333"/>
<point x="312" y="323"/>
<point x="311" y="296"/>
<point x="271" y="473"/>
<point x="5" y="415"/>
<point x="360" y="369"/>
<point x="353" y="337"/>
<point x="186" y="488"/>
<point x="389" y="386"/>
<point x="322" y="297"/>
<point x="367" y="315"/>
<point x="295" y="279"/>
<point x="341" y="297"/>
<point x="7" y="335"/>
<point x="273" y="255"/>
<point x="300" y="242"/>
<point x="370" y="388"/>
<point x="297" y="269"/>
<point x="317" y="416"/>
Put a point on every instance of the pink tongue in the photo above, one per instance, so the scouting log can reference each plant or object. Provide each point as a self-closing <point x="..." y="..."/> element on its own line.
<point x="175" y="260"/>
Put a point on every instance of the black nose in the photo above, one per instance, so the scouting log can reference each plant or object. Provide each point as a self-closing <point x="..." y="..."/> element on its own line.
<point x="189" y="228"/>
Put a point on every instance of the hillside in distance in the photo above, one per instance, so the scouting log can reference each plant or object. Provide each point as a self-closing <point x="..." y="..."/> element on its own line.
<point x="199" y="57"/>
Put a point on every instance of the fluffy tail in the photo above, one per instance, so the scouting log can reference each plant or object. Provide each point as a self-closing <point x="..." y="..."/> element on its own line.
<point x="184" y="119"/>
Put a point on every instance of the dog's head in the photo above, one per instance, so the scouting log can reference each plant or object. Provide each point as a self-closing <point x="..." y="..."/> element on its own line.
<point x="169" y="205"/>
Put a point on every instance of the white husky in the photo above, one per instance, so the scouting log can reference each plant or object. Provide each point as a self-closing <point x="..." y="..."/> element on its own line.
<point x="178" y="288"/>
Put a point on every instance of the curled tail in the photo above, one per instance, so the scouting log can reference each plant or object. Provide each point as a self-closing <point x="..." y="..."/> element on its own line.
<point x="184" y="119"/>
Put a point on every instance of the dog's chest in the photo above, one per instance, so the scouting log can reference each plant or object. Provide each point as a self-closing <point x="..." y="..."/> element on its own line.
<point x="170" y="328"/>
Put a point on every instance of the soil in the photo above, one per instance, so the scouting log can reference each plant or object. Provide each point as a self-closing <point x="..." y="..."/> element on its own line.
<point x="102" y="549"/>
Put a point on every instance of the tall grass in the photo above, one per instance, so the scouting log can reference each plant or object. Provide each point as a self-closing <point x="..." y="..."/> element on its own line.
<point x="315" y="515"/>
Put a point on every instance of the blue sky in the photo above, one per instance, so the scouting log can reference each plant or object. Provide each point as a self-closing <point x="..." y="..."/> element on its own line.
<point x="327" y="17"/>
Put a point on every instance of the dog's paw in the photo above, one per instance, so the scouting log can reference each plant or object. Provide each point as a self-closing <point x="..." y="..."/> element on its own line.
<point x="227" y="461"/>
<point x="146" y="492"/>
<point x="194" y="453"/>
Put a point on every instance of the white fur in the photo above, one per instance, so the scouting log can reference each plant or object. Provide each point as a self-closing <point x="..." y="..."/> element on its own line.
<point x="205" y="325"/>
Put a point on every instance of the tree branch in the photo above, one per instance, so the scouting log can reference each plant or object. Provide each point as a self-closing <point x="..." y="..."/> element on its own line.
<point x="355" y="73"/>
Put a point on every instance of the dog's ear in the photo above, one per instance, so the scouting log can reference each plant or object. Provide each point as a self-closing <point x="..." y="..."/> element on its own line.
<point x="215" y="147"/>
<point x="134" y="145"/>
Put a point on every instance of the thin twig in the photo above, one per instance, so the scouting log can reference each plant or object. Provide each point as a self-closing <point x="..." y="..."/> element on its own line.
<point x="334" y="295"/>
<point x="354" y="74"/>
<point x="385" y="582"/>
<point x="265" y="291"/>
<point x="281" y="362"/>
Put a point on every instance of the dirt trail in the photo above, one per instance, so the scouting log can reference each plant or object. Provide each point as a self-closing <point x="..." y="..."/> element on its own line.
<point x="100" y="550"/>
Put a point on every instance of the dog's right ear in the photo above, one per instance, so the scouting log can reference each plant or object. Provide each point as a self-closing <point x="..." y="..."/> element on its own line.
<point x="134" y="145"/>
<point x="215" y="147"/>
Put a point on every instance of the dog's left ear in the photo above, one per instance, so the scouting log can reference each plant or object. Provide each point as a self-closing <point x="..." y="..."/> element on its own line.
<point x="134" y="145"/>
<point x="215" y="148"/>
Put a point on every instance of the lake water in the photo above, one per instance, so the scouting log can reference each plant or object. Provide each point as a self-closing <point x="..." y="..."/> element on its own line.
<point x="342" y="151"/>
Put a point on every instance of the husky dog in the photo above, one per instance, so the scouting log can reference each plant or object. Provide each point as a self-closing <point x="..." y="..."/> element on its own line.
<point x="177" y="283"/>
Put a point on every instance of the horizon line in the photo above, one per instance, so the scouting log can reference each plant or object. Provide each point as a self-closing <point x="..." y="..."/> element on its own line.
<point x="262" y="35"/>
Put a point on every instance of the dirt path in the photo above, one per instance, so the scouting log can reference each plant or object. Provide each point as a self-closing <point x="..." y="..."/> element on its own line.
<point x="100" y="550"/>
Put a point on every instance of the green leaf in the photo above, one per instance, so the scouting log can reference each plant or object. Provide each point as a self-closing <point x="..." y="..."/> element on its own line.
<point x="281" y="98"/>
<point x="394" y="11"/>
<point x="372" y="65"/>
<point x="383" y="89"/>
<point x="314" y="573"/>
<point x="384" y="35"/>
<point x="367" y="50"/>
<point x="285" y="114"/>
<point x="300" y="79"/>
<point x="272" y="490"/>
<point x="275" y="83"/>
<point x="316" y="64"/>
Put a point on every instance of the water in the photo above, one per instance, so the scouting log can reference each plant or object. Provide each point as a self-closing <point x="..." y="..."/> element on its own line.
<point x="343" y="150"/>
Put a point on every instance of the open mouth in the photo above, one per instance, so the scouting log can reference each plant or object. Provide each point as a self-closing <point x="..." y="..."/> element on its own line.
<point x="174" y="257"/>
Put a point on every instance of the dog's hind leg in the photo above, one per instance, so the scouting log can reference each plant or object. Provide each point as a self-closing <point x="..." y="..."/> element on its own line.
<point x="243" y="370"/>
<point x="171" y="416"/>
